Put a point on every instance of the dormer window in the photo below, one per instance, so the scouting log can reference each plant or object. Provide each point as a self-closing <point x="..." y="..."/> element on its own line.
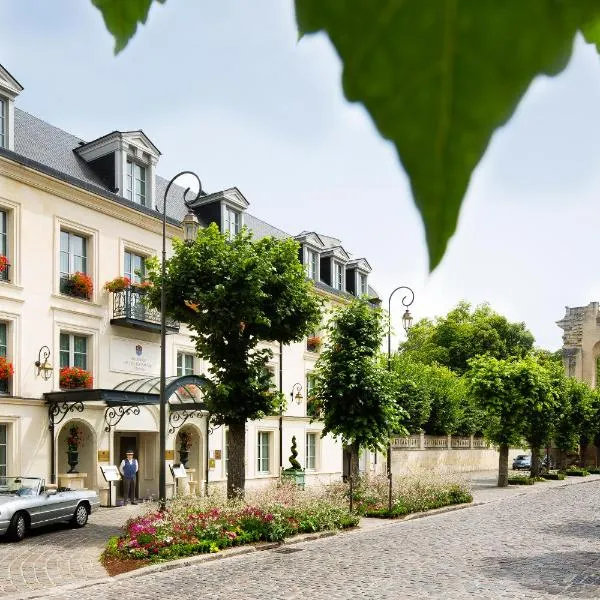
<point x="233" y="221"/>
<point x="312" y="265"/>
<point x="135" y="189"/>
<point x="362" y="285"/>
<point x="338" y="275"/>
<point x="10" y="88"/>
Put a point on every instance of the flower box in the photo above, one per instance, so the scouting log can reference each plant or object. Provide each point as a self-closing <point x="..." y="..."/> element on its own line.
<point x="313" y="343"/>
<point x="73" y="378"/>
<point x="118" y="284"/>
<point x="6" y="369"/>
<point x="78" y="285"/>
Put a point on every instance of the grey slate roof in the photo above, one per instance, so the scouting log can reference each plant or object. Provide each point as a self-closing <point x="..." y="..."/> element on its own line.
<point x="49" y="149"/>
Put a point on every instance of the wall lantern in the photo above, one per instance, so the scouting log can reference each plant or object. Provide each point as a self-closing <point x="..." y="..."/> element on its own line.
<point x="44" y="368"/>
<point x="296" y="393"/>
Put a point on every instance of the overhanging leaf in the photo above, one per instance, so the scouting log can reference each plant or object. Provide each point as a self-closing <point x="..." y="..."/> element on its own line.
<point x="439" y="76"/>
<point x="121" y="18"/>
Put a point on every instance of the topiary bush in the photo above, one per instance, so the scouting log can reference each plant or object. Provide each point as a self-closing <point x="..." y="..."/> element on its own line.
<point x="521" y="480"/>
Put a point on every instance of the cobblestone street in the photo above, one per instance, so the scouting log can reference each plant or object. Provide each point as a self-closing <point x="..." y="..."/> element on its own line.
<point x="534" y="544"/>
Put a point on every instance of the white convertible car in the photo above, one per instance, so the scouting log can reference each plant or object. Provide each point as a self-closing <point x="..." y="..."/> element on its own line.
<point x="26" y="502"/>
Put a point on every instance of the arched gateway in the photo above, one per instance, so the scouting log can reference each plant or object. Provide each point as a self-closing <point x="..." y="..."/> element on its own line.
<point x="129" y="403"/>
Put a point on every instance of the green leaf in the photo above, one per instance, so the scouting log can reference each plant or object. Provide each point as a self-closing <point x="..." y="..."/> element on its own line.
<point x="121" y="18"/>
<point x="440" y="76"/>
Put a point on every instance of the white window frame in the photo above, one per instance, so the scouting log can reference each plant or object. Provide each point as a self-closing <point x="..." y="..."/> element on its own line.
<point x="362" y="291"/>
<point x="225" y="452"/>
<point x="312" y="262"/>
<point x="131" y="275"/>
<point x="4" y="326"/>
<point x="4" y="429"/>
<point x="182" y="360"/>
<point x="11" y="251"/>
<point x="261" y="436"/>
<point x="338" y="276"/>
<point x="71" y="339"/>
<point x="91" y="236"/>
<point x="315" y="458"/>
<point x="3" y="122"/>
<point x="132" y="191"/>
<point x="233" y="221"/>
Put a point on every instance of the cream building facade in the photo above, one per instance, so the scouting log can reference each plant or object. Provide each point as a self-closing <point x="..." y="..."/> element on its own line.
<point x="68" y="206"/>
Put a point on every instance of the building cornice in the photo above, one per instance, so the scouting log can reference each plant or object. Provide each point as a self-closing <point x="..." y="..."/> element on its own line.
<point x="98" y="200"/>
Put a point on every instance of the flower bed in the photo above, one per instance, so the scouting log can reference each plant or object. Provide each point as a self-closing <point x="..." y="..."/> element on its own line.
<point x="410" y="494"/>
<point x="200" y="525"/>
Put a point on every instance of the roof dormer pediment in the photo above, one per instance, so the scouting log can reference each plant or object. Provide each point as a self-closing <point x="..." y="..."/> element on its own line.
<point x="360" y="264"/>
<point x="132" y="143"/>
<point x="336" y="252"/>
<point x="310" y="238"/>
<point x="8" y="84"/>
<point x="232" y="197"/>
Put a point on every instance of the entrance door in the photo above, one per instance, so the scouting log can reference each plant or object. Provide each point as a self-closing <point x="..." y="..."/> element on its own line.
<point x="128" y="442"/>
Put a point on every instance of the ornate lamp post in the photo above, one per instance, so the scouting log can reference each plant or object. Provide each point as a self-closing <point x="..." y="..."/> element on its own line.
<point x="407" y="320"/>
<point x="190" y="229"/>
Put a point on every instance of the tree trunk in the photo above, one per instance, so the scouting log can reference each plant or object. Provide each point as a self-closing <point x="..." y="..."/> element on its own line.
<point x="354" y="470"/>
<point x="583" y="446"/>
<point x="503" y="466"/>
<point x="535" y="462"/>
<point x="236" y="471"/>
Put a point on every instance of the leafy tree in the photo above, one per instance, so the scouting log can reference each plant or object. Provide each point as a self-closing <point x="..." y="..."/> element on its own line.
<point x="355" y="391"/>
<point x="234" y="293"/>
<point x="576" y="422"/>
<point x="464" y="333"/>
<point x="479" y="57"/>
<point x="492" y="386"/>
<point x="540" y="388"/>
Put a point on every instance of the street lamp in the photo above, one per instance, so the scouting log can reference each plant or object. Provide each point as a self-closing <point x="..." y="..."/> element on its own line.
<point x="407" y="320"/>
<point x="190" y="230"/>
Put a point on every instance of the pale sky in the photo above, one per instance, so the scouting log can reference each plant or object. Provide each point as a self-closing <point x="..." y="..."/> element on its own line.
<point x="226" y="90"/>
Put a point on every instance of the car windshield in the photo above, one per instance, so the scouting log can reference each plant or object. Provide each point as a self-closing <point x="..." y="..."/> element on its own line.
<point x="21" y="486"/>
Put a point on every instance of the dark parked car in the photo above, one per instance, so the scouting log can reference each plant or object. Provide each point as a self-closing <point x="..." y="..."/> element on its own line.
<point x="522" y="461"/>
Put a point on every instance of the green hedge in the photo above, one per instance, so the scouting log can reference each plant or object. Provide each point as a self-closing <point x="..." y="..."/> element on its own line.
<point x="554" y="476"/>
<point x="521" y="480"/>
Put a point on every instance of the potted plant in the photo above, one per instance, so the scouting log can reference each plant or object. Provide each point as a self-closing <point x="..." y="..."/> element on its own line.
<point x="313" y="343"/>
<point x="141" y="286"/>
<point x="294" y="473"/>
<point x="185" y="445"/>
<point x="79" y="285"/>
<point x="118" y="284"/>
<point x="6" y="369"/>
<point x="74" y="441"/>
<point x="71" y="378"/>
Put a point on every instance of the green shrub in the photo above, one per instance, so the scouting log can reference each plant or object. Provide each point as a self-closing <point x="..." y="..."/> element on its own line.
<point x="593" y="470"/>
<point x="576" y="472"/>
<point x="556" y="476"/>
<point x="520" y="480"/>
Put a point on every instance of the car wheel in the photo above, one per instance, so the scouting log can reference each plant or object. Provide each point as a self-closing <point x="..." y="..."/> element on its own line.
<point x="80" y="518"/>
<point x="17" y="528"/>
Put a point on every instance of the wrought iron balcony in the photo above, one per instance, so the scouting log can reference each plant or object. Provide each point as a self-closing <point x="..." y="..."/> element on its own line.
<point x="129" y="310"/>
